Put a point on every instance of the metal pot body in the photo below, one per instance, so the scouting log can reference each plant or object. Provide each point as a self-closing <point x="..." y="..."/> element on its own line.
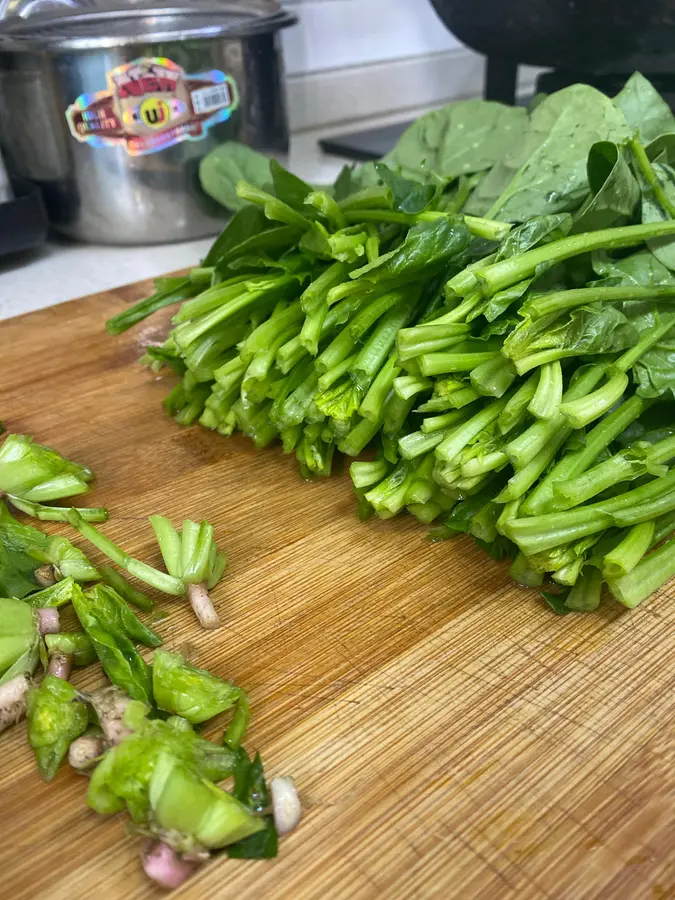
<point x="109" y="190"/>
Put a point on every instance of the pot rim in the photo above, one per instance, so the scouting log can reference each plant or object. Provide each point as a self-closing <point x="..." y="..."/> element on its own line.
<point x="78" y="31"/>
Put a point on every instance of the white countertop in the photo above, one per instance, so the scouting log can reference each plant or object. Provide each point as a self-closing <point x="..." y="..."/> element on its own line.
<point x="62" y="270"/>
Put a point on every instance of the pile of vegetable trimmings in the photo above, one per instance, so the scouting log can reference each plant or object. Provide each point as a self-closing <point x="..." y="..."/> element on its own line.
<point x="135" y="736"/>
<point x="489" y="310"/>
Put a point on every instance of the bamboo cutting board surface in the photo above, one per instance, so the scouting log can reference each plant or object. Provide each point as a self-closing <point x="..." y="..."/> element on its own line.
<point x="451" y="737"/>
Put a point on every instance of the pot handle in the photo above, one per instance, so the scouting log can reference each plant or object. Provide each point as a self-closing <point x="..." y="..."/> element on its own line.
<point x="26" y="8"/>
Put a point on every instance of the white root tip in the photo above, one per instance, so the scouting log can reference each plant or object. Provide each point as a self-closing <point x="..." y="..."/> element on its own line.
<point x="13" y="701"/>
<point x="45" y="576"/>
<point x="60" y="665"/>
<point x="84" y="751"/>
<point x="110" y="704"/>
<point x="203" y="607"/>
<point x="162" y="864"/>
<point x="285" y="804"/>
<point x="48" y="620"/>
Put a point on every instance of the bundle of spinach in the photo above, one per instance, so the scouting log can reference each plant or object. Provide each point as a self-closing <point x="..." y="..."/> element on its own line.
<point x="489" y="309"/>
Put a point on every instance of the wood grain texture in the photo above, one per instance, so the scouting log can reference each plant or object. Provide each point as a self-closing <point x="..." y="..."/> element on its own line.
<point x="451" y="737"/>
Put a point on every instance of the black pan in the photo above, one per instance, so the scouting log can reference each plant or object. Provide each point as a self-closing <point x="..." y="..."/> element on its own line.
<point x="600" y="36"/>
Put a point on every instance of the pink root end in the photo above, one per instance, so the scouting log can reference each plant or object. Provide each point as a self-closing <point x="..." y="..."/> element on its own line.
<point x="45" y="576"/>
<point x="60" y="665"/>
<point x="48" y="620"/>
<point x="13" y="701"/>
<point x="162" y="864"/>
<point x="84" y="752"/>
<point x="203" y="607"/>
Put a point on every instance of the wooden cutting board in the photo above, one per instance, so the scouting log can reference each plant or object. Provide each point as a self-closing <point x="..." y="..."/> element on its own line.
<point x="451" y="737"/>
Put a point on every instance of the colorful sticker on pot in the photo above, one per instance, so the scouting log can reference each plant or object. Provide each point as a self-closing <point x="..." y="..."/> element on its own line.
<point x="150" y="104"/>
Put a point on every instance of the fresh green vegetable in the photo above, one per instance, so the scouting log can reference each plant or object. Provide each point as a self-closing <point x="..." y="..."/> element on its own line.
<point x="55" y="718"/>
<point x="19" y="639"/>
<point x="113" y="628"/>
<point x="190" y="812"/>
<point x="193" y="562"/>
<point x="31" y="474"/>
<point x="195" y="694"/>
<point x="251" y="789"/>
<point x="490" y="308"/>
<point x="74" y="644"/>
<point x="224" y="167"/>
<point x="123" y="777"/>
<point x="30" y="559"/>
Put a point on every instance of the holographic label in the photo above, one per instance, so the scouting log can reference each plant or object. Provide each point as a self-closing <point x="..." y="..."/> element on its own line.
<point x="150" y="104"/>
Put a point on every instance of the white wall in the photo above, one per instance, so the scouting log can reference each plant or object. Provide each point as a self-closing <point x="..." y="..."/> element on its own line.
<point x="373" y="60"/>
<point x="338" y="33"/>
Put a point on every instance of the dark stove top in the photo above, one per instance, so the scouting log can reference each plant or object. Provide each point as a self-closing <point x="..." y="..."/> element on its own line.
<point x="372" y="143"/>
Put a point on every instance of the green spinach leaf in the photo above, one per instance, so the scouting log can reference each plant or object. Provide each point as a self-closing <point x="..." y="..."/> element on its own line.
<point x="409" y="196"/>
<point x="644" y="108"/>
<point x="641" y="269"/>
<point x="243" y="225"/>
<point x="587" y="330"/>
<point x="288" y="187"/>
<point x="251" y="790"/>
<point x="459" y="139"/>
<point x="537" y="230"/>
<point x="652" y="211"/>
<point x="427" y="245"/>
<point x="615" y="193"/>
<point x="223" y="167"/>
<point x="546" y="173"/>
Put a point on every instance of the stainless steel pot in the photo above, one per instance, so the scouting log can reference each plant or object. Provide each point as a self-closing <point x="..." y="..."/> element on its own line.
<point x="110" y="111"/>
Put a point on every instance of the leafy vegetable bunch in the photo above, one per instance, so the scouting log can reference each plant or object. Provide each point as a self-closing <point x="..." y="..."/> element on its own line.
<point x="488" y="310"/>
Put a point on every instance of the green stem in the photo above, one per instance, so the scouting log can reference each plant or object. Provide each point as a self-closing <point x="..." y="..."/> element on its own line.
<point x="537" y="533"/>
<point x="160" y="580"/>
<point x="623" y="558"/>
<point x="584" y="410"/>
<point x="648" y="576"/>
<point x="407" y="386"/>
<point x="276" y="210"/>
<point x="509" y="271"/>
<point x="365" y="474"/>
<point x="516" y="409"/>
<point x="548" y="396"/>
<point x="446" y="363"/>
<point x="420" y="339"/>
<point x="455" y="442"/>
<point x="372" y="406"/>
<point x="526" y="446"/>
<point x="524" y="478"/>
<point x="494" y="377"/>
<point x="359" y="437"/>
<point x="380" y="343"/>
<point x="418" y="442"/>
<point x="435" y="423"/>
<point x="481" y="465"/>
<point x="576" y="462"/>
<point x="627" y="360"/>
<point x="125" y="590"/>
<point x="651" y="177"/>
<point x="522" y="572"/>
<point x="57" y="513"/>
<point x="484" y="228"/>
<point x="148" y="306"/>
<point x="214" y="297"/>
<point x="587" y="591"/>
<point x="560" y="301"/>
